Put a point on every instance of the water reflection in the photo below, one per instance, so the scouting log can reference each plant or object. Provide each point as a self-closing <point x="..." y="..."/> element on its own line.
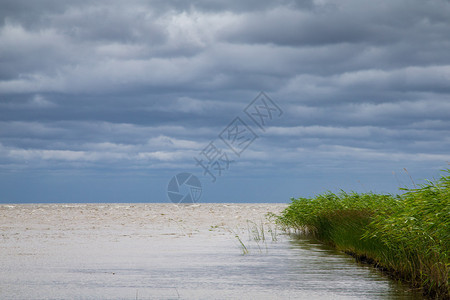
<point x="323" y="268"/>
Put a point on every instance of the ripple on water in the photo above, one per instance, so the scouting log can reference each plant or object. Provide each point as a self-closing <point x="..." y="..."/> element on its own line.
<point x="167" y="251"/>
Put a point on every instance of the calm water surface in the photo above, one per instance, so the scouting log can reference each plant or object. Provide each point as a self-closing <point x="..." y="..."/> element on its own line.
<point x="164" y="251"/>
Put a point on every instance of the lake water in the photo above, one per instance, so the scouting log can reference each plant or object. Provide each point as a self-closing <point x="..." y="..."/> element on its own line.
<point x="165" y="251"/>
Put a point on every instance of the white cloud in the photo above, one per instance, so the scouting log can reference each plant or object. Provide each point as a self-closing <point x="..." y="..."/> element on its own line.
<point x="172" y="143"/>
<point x="39" y="101"/>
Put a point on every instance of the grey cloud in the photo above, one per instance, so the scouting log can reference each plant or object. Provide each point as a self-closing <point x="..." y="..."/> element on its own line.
<point x="149" y="84"/>
<point x="344" y="22"/>
<point x="234" y="6"/>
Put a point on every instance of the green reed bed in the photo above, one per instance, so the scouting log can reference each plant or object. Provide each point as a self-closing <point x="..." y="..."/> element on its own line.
<point x="408" y="235"/>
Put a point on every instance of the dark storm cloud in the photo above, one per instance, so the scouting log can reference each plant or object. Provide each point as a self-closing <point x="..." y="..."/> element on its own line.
<point x="90" y="84"/>
<point x="380" y="23"/>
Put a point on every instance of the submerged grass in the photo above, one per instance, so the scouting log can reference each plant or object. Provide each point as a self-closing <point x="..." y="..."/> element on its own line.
<point x="257" y="234"/>
<point x="407" y="235"/>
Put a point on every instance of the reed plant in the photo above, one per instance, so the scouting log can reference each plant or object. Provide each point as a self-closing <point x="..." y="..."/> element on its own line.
<point x="408" y="235"/>
<point x="243" y="247"/>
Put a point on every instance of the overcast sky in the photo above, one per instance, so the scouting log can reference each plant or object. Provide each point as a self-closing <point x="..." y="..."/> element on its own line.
<point x="105" y="101"/>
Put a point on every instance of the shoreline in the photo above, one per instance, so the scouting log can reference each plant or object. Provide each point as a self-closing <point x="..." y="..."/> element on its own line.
<point x="406" y="236"/>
